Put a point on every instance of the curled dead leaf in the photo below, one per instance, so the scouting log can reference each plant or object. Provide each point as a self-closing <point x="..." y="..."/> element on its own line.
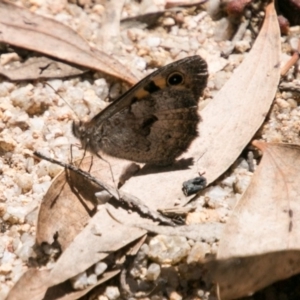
<point x="261" y="240"/>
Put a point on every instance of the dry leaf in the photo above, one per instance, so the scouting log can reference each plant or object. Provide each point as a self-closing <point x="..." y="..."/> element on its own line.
<point x="229" y="122"/>
<point x="67" y="207"/>
<point x="86" y="233"/>
<point x="40" y="68"/>
<point x="21" y="28"/>
<point x="33" y="284"/>
<point x="261" y="240"/>
<point x="65" y="291"/>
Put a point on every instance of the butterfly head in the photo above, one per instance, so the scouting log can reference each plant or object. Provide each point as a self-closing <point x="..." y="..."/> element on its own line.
<point x="80" y="131"/>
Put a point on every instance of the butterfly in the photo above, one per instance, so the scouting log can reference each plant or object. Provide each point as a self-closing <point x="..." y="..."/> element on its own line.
<point x="153" y="122"/>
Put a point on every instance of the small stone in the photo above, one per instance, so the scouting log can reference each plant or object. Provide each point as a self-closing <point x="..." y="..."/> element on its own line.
<point x="15" y="214"/>
<point x="6" y="58"/>
<point x="282" y="103"/>
<point x="21" y="97"/>
<point x="242" y="181"/>
<point x="54" y="169"/>
<point x="139" y="63"/>
<point x="198" y="253"/>
<point x="24" y="181"/>
<point x="41" y="188"/>
<point x="7" y="144"/>
<point x="79" y="282"/>
<point x="112" y="292"/>
<point x="215" y="196"/>
<point x="242" y="46"/>
<point x="92" y="279"/>
<point x="6" y="88"/>
<point x="168" y="22"/>
<point x="101" y="88"/>
<point x="5" y="268"/>
<point x="153" y="41"/>
<point x="153" y="272"/>
<point x="115" y="91"/>
<point x="100" y="268"/>
<point x="293" y="103"/>
<point x="168" y="249"/>
<point x="220" y="79"/>
<point x="175" y="296"/>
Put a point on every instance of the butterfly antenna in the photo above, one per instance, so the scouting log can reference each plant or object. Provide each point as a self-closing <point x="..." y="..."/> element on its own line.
<point x="48" y="84"/>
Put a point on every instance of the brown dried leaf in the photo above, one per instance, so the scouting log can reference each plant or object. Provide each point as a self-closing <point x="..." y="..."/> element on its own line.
<point x="261" y="241"/>
<point x="33" y="284"/>
<point x="86" y="233"/>
<point x="101" y="236"/>
<point x="21" y="28"/>
<point x="64" y="291"/>
<point x="67" y="207"/>
<point x="229" y="122"/>
<point x="41" y="68"/>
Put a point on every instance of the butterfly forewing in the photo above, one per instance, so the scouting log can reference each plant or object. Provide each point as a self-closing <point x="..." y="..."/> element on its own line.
<point x="155" y="121"/>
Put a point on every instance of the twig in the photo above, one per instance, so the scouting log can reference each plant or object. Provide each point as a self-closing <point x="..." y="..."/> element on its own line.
<point x="292" y="61"/>
<point x="237" y="37"/>
<point x="117" y="194"/>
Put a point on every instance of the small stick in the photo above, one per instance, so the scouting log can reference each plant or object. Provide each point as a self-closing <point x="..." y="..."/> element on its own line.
<point x="118" y="195"/>
<point x="292" y="61"/>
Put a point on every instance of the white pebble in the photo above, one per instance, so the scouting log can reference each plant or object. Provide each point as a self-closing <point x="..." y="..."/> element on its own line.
<point x="168" y="249"/>
<point x="153" y="272"/>
<point x="92" y="279"/>
<point x="242" y="46"/>
<point x="5" y="88"/>
<point x="36" y="124"/>
<point x="41" y="188"/>
<point x="6" y="58"/>
<point x="56" y="84"/>
<point x="242" y="181"/>
<point x="5" y="268"/>
<point x="21" y="97"/>
<point x="198" y="253"/>
<point x="112" y="292"/>
<point x="79" y="282"/>
<point x="282" y="103"/>
<point x="139" y="63"/>
<point x="42" y="168"/>
<point x="215" y="195"/>
<point x="153" y="41"/>
<point x="100" y="268"/>
<point x="168" y="22"/>
<point x="8" y="257"/>
<point x="101" y="89"/>
<point x="61" y="141"/>
<point x="24" y="181"/>
<point x="115" y="91"/>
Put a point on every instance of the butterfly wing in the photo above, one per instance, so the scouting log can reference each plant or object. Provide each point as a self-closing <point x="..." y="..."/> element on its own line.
<point x="156" y="120"/>
<point x="154" y="130"/>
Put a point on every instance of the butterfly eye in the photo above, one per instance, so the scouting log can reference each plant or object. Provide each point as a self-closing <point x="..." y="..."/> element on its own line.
<point x="175" y="79"/>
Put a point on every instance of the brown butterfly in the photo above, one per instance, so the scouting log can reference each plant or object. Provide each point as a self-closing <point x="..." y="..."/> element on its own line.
<point x="153" y="122"/>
